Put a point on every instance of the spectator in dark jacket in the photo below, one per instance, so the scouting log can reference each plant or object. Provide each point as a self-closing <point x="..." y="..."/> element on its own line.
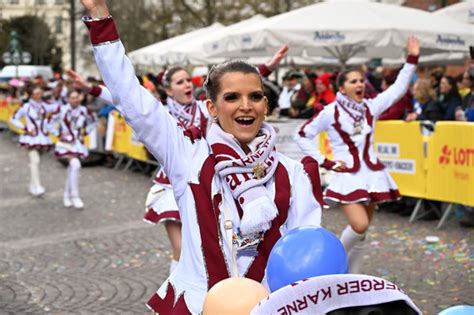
<point x="435" y="77"/>
<point x="301" y="106"/>
<point x="449" y="97"/>
<point x="427" y="106"/>
<point x="468" y="101"/>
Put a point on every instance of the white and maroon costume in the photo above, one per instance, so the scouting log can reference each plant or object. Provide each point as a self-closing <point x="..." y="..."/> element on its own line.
<point x="75" y="124"/>
<point x="37" y="126"/>
<point x="351" y="128"/>
<point x="160" y="204"/>
<point x="202" y="195"/>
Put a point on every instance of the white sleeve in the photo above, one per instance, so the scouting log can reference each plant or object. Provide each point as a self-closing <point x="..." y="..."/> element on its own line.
<point x="52" y="108"/>
<point x="395" y="92"/>
<point x="155" y="128"/>
<point x="307" y="136"/>
<point x="15" y="119"/>
<point x="304" y="208"/>
<point x="105" y="95"/>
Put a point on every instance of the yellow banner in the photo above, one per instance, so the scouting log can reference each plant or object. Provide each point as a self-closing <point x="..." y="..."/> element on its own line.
<point x="399" y="145"/>
<point x="123" y="140"/>
<point x="325" y="145"/>
<point x="4" y="111"/>
<point x="451" y="163"/>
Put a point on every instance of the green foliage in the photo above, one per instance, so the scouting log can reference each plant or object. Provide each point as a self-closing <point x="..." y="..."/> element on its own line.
<point x="35" y="37"/>
<point x="149" y="21"/>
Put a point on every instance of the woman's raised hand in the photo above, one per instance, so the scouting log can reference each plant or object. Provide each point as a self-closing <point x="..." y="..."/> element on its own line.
<point x="78" y="80"/>
<point x="273" y="63"/>
<point x="413" y="46"/>
<point x="96" y="8"/>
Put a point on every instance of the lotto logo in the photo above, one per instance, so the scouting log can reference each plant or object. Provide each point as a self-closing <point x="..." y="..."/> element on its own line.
<point x="445" y="156"/>
<point x="456" y="156"/>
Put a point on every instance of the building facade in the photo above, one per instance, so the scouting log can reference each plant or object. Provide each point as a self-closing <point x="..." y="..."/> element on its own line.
<point x="56" y="14"/>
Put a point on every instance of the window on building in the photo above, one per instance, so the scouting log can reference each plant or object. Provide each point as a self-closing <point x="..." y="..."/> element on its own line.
<point x="40" y="2"/>
<point x="58" y="1"/>
<point x="58" y="24"/>
<point x="14" y="1"/>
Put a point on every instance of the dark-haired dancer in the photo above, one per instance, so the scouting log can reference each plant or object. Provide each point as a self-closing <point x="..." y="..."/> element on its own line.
<point x="192" y="116"/>
<point x="361" y="179"/>
<point x="236" y="194"/>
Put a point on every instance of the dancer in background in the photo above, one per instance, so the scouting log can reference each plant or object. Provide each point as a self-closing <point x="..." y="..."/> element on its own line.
<point x="361" y="180"/>
<point x="76" y="121"/>
<point x="35" y="137"/>
<point x="236" y="194"/>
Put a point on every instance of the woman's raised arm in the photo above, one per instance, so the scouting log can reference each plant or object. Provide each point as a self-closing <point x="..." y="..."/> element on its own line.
<point x="143" y="112"/>
<point x="396" y="91"/>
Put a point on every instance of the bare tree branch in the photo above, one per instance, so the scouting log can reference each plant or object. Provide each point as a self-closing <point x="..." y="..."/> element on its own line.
<point x="193" y="13"/>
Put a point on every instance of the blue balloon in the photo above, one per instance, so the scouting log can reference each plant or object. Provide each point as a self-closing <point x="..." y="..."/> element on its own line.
<point x="458" y="310"/>
<point x="303" y="253"/>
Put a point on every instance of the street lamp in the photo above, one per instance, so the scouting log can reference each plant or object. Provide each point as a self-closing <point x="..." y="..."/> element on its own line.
<point x="14" y="54"/>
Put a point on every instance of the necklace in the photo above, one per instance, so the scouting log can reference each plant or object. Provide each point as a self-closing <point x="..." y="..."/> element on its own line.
<point x="357" y="120"/>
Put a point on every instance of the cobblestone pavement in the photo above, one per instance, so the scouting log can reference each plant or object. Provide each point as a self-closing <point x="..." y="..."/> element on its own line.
<point x="106" y="260"/>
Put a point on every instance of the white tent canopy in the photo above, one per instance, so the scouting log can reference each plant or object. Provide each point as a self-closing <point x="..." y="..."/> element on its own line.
<point x="344" y="30"/>
<point x="155" y="53"/>
<point x="188" y="48"/>
<point x="192" y="51"/>
<point x="461" y="12"/>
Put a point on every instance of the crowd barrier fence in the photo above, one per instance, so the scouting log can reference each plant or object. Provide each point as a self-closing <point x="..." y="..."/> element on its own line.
<point x="437" y="167"/>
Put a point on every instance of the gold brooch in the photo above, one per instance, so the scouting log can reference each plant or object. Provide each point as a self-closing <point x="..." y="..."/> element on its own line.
<point x="259" y="170"/>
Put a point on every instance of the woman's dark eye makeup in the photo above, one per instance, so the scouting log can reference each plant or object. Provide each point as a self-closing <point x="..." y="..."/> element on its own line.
<point x="182" y="81"/>
<point x="231" y="96"/>
<point x="254" y="96"/>
<point x="353" y="81"/>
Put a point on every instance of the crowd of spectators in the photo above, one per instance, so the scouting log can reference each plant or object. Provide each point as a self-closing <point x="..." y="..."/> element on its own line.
<point x="301" y="94"/>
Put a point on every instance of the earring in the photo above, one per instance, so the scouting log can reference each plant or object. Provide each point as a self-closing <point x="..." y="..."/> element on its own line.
<point x="214" y="119"/>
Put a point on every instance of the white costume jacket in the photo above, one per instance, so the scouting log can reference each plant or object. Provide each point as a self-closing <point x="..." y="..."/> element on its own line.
<point x="37" y="127"/>
<point x="160" y="204"/>
<point x="188" y="161"/>
<point x="75" y="124"/>
<point x="365" y="179"/>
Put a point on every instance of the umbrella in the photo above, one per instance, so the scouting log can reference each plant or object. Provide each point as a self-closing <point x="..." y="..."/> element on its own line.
<point x="461" y="12"/>
<point x="346" y="29"/>
<point x="155" y="53"/>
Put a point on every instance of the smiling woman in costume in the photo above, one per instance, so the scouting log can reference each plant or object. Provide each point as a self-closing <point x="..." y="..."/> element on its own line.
<point x="361" y="179"/>
<point x="236" y="194"/>
<point x="191" y="115"/>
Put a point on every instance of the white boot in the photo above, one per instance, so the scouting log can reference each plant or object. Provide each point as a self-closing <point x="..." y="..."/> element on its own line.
<point x="67" y="202"/>
<point x="35" y="187"/>
<point x="77" y="202"/>
<point x="349" y="238"/>
<point x="74" y="167"/>
<point x="356" y="257"/>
